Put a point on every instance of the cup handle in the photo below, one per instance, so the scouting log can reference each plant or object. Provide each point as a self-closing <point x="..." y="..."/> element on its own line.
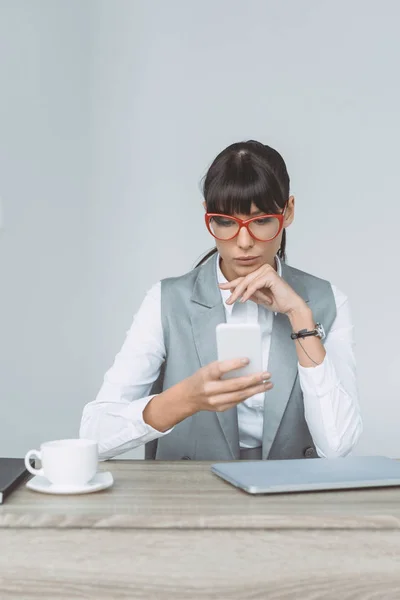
<point x="28" y="465"/>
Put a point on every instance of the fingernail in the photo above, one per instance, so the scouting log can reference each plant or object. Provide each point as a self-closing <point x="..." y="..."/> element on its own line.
<point x="245" y="361"/>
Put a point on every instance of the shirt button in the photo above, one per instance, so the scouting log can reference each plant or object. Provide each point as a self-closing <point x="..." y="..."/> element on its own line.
<point x="309" y="452"/>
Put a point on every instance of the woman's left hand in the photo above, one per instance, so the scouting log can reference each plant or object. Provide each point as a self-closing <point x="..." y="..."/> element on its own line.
<point x="265" y="287"/>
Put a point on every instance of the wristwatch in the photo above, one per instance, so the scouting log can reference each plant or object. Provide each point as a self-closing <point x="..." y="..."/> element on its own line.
<point x="318" y="332"/>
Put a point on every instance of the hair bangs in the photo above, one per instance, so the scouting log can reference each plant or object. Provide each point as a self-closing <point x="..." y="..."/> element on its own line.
<point x="240" y="183"/>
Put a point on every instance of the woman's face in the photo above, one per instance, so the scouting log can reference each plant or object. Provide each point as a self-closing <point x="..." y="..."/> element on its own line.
<point x="244" y="245"/>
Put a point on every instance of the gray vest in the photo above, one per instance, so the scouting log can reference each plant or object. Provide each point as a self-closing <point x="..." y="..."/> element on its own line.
<point x="191" y="308"/>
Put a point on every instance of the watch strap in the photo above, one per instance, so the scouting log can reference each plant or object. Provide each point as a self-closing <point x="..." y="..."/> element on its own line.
<point x="303" y="333"/>
<point x="318" y="332"/>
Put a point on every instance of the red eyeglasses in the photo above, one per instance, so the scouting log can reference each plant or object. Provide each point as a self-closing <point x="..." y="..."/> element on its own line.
<point x="262" y="228"/>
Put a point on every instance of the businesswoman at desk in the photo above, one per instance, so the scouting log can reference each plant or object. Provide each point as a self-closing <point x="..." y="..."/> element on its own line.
<point x="164" y="388"/>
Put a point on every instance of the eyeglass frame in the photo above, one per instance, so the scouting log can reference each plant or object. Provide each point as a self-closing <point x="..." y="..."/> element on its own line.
<point x="245" y="223"/>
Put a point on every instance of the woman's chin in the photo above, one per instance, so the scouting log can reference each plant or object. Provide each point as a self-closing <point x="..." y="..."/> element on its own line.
<point x="244" y="269"/>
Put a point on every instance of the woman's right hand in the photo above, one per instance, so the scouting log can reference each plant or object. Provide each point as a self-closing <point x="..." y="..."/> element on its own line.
<point x="207" y="391"/>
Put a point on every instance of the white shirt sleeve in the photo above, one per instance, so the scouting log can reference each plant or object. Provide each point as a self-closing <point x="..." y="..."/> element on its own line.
<point x="115" y="417"/>
<point x="330" y="390"/>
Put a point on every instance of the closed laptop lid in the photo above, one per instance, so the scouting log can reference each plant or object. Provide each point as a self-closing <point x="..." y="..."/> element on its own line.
<point x="302" y="475"/>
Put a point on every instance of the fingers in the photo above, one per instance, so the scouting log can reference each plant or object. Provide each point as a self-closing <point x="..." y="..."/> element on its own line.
<point x="230" y="285"/>
<point x="264" y="298"/>
<point x="254" y="287"/>
<point x="219" y="368"/>
<point x="238" y="286"/>
<point x="220" y="395"/>
<point x="259" y="298"/>
<point x="262" y="295"/>
<point x="238" y="291"/>
<point x="225" y="386"/>
<point x="222" y="402"/>
<point x="247" y="287"/>
<point x="251" y="289"/>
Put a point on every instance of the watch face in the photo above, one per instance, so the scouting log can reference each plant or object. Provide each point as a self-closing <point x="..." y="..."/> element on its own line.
<point x="321" y="330"/>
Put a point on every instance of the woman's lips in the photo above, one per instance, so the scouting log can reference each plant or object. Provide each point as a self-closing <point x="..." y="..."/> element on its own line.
<point x="247" y="260"/>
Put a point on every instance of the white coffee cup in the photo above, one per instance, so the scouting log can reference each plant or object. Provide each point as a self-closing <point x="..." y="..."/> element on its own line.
<point x="66" y="462"/>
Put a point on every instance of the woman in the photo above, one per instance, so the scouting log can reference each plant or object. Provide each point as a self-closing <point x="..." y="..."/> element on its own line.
<point x="304" y="404"/>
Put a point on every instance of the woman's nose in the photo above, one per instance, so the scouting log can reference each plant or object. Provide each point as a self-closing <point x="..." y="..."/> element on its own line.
<point x="244" y="239"/>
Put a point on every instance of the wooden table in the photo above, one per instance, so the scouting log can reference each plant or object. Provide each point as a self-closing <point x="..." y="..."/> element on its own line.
<point x="175" y="530"/>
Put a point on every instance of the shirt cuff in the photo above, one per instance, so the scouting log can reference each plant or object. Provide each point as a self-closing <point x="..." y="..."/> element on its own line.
<point x="320" y="380"/>
<point x="135" y="415"/>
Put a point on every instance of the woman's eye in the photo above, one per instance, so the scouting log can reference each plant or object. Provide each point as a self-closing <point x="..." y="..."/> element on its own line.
<point x="223" y="222"/>
<point x="263" y="221"/>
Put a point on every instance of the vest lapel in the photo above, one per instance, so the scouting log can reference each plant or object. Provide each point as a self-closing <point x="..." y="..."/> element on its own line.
<point x="282" y="365"/>
<point x="207" y="311"/>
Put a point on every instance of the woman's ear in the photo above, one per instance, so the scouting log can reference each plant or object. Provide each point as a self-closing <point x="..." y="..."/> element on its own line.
<point x="289" y="212"/>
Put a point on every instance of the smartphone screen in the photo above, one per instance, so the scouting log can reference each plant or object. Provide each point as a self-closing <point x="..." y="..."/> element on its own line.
<point x="240" y="340"/>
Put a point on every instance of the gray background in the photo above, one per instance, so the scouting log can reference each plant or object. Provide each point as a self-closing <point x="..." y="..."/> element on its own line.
<point x="110" y="113"/>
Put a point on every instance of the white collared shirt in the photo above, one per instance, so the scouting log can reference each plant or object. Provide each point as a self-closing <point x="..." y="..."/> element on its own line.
<point x="115" y="417"/>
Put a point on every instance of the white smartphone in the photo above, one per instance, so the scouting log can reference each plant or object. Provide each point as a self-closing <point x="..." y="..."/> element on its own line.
<point x="240" y="340"/>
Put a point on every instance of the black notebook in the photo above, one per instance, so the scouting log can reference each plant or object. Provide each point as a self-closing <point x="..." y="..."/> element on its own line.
<point x="12" y="473"/>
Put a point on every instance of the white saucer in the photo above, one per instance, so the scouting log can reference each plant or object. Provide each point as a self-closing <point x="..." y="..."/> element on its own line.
<point x="100" y="481"/>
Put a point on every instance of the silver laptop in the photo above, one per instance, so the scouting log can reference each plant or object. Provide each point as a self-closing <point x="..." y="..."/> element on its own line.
<point x="305" y="475"/>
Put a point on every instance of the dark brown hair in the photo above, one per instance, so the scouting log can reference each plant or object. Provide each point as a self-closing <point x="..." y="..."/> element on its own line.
<point x="244" y="173"/>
